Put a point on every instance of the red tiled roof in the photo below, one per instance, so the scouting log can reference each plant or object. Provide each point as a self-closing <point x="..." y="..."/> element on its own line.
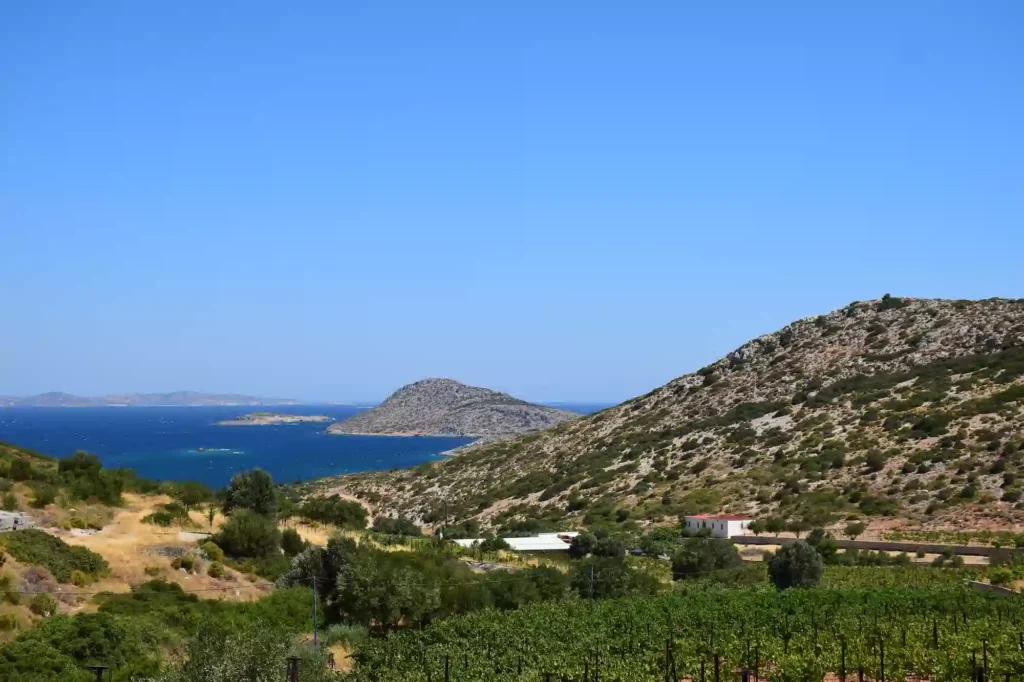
<point x="720" y="517"/>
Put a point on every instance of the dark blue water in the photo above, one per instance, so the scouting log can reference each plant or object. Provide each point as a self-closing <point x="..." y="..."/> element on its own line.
<point x="164" y="442"/>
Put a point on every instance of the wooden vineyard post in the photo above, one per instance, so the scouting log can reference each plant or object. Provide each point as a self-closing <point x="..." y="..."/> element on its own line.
<point x="881" y="658"/>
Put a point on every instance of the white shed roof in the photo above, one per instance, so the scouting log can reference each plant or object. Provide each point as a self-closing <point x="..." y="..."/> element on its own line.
<point x="544" y="542"/>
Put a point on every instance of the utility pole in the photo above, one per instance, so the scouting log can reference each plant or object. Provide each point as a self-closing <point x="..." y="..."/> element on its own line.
<point x="315" y="640"/>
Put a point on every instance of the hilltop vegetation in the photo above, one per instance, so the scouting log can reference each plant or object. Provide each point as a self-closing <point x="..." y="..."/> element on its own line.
<point x="442" y="407"/>
<point x="893" y="407"/>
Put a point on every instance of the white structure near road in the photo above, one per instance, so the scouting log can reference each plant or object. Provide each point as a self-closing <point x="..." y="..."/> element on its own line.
<point x="719" y="525"/>
<point x="542" y="542"/>
<point x="15" y="521"/>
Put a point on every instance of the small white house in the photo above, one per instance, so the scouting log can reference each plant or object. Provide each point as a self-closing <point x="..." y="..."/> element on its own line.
<point x="719" y="525"/>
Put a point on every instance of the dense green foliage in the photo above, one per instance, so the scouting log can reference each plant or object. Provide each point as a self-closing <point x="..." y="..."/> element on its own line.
<point x="700" y="556"/>
<point x="248" y="534"/>
<point x="33" y="546"/>
<point x="399" y="526"/>
<point x="791" y="635"/>
<point x="253" y="490"/>
<point x="218" y="653"/>
<point x="334" y="510"/>
<point x="383" y="589"/>
<point x="129" y="630"/>
<point x="796" y="564"/>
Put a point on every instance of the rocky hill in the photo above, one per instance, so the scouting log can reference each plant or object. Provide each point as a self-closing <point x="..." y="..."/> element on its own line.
<point x="903" y="408"/>
<point x="435" y="407"/>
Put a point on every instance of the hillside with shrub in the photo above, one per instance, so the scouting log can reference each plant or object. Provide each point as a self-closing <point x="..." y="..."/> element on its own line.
<point x="897" y="407"/>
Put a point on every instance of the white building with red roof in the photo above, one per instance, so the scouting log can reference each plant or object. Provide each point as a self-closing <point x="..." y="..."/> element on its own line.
<point x="718" y="525"/>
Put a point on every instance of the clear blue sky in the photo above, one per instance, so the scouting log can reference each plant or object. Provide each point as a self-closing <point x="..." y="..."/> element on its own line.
<point x="564" y="200"/>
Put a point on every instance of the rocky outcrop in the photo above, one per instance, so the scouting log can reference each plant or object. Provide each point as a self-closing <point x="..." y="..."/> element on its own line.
<point x="443" y="407"/>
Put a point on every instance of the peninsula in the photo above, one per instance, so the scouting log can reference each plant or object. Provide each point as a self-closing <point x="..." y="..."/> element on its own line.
<point x="271" y="418"/>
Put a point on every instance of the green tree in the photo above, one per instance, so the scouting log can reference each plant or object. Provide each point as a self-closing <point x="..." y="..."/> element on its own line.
<point x="757" y="527"/>
<point x="774" y="526"/>
<point x="798" y="527"/>
<point x="43" y="605"/>
<point x="660" y="542"/>
<point x="291" y="542"/>
<point x="854" y="529"/>
<point x="248" y="534"/>
<point x="21" y="469"/>
<point x="582" y="545"/>
<point x="222" y="653"/>
<point x="10" y="502"/>
<point x="492" y="543"/>
<point x="609" y="578"/>
<point x="191" y="494"/>
<point x="796" y="564"/>
<point x="251" y="490"/>
<point x="399" y="526"/>
<point x="384" y="589"/>
<point x="699" y="556"/>
<point x="823" y="543"/>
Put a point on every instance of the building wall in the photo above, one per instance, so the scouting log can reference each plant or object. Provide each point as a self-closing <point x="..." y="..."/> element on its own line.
<point x="719" y="528"/>
<point x="15" y="521"/>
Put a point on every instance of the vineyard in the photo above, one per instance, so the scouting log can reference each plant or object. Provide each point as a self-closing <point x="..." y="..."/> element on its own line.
<point x="708" y="634"/>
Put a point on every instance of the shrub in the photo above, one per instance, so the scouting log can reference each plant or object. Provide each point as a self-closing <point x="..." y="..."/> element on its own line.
<point x="159" y="518"/>
<point x="80" y="578"/>
<point x="43" y="494"/>
<point x="492" y="543"/>
<point x="8" y="621"/>
<point x="796" y="565"/>
<point x="43" y="605"/>
<point x="32" y="546"/>
<point x="703" y="555"/>
<point x="10" y="502"/>
<point x="609" y="578"/>
<point x="399" y="526"/>
<point x="185" y="561"/>
<point x="152" y="571"/>
<point x="216" y="570"/>
<point x="212" y="551"/>
<point x="1000" y="575"/>
<point x="334" y="510"/>
<point x="875" y="460"/>
<point x="248" y="534"/>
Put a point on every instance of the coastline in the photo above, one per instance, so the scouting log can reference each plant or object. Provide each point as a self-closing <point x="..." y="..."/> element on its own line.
<point x="275" y="419"/>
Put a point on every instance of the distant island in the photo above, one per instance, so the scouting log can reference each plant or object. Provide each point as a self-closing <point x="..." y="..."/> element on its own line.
<point x="270" y="418"/>
<point x="443" y="407"/>
<point x="173" y="399"/>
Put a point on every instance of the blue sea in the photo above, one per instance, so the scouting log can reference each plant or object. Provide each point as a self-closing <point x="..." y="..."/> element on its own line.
<point x="185" y="443"/>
